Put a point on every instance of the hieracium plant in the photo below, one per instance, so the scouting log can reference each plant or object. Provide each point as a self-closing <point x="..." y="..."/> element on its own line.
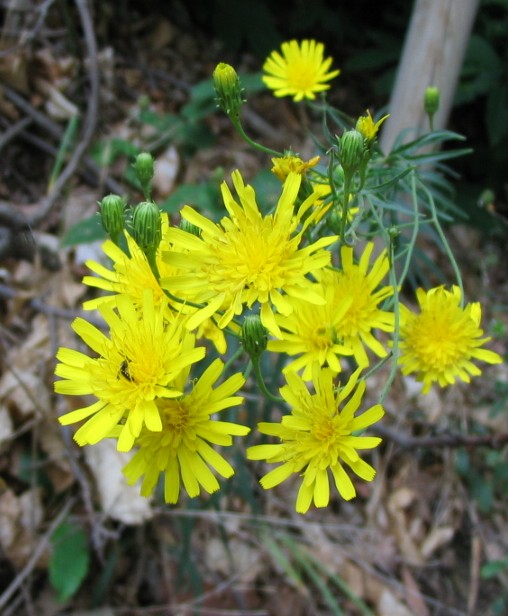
<point x="311" y="285"/>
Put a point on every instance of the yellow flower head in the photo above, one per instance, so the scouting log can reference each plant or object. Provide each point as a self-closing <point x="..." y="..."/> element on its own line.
<point x="439" y="343"/>
<point x="248" y="257"/>
<point x="317" y="437"/>
<point x="285" y="165"/>
<point x="300" y="71"/>
<point x="183" y="450"/>
<point x="136" y="365"/>
<point x="366" y="126"/>
<point x="131" y="275"/>
<point x="344" y="323"/>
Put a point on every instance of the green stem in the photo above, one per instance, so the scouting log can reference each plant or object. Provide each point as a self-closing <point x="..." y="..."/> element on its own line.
<point x="395" y="284"/>
<point x="152" y="262"/>
<point x="236" y="123"/>
<point x="396" y="328"/>
<point x="345" y="208"/>
<point x="445" y="243"/>
<point x="233" y="357"/>
<point x="414" y="234"/>
<point x="256" y="364"/>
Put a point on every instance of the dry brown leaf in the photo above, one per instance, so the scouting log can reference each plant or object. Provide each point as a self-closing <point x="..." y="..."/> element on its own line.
<point x="398" y="502"/>
<point x="436" y="539"/>
<point x="19" y="520"/>
<point x="238" y="558"/>
<point x="119" y="500"/>
<point x="58" y="106"/>
<point x="166" y="172"/>
<point x="24" y="391"/>
<point x="389" y="605"/>
<point x="414" y="597"/>
<point x="6" y="427"/>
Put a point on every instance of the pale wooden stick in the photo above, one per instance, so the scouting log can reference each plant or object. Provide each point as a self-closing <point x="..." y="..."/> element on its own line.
<point x="433" y="54"/>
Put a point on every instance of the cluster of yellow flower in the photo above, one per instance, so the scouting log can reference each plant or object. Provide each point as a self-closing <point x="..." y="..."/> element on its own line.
<point x="324" y="308"/>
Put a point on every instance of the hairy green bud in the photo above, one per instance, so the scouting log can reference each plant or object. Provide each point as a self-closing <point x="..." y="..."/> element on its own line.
<point x="112" y="208"/>
<point x="228" y="89"/>
<point x="254" y="336"/>
<point x="351" y="150"/>
<point x="144" y="168"/>
<point x="146" y="225"/>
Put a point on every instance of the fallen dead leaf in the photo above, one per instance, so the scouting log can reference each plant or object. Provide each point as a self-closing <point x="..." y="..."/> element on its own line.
<point x="119" y="500"/>
<point x="436" y="539"/>
<point x="389" y="605"/>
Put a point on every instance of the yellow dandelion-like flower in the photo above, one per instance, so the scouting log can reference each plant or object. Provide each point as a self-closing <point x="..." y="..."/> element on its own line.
<point x="132" y="275"/>
<point x="317" y="437"/>
<point x="183" y="449"/>
<point x="343" y="325"/>
<point x="310" y="331"/>
<point x="367" y="127"/>
<point x="136" y="365"/>
<point x="300" y="71"/>
<point x="440" y="342"/>
<point x="285" y="165"/>
<point x="248" y="257"/>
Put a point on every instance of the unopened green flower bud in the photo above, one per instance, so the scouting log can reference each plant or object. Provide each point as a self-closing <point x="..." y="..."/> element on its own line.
<point x="393" y="232"/>
<point x="111" y="210"/>
<point x="228" y="89"/>
<point x="187" y="226"/>
<point x="352" y="150"/>
<point x="431" y="100"/>
<point x="254" y="336"/>
<point x="144" y="168"/>
<point x="146" y="225"/>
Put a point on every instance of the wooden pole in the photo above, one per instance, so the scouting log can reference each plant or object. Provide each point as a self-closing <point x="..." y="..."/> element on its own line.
<point x="433" y="54"/>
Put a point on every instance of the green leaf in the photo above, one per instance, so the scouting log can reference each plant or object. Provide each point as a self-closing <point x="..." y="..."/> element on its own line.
<point x="161" y="122"/>
<point x="203" y="197"/>
<point x="202" y="101"/>
<point x="107" y="151"/>
<point x="69" y="561"/>
<point x="492" y="568"/>
<point x="84" y="232"/>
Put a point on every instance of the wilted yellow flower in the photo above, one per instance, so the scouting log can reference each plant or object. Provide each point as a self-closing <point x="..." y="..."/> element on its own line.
<point x="285" y="165"/>
<point x="366" y="126"/>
